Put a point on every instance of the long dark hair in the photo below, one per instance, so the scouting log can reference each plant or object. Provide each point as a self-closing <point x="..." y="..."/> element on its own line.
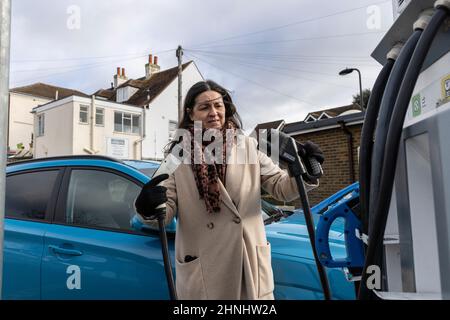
<point x="189" y="103"/>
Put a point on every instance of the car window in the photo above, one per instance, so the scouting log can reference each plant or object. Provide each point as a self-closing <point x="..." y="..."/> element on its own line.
<point x="100" y="199"/>
<point x="271" y="213"/>
<point x="28" y="194"/>
<point x="148" y="171"/>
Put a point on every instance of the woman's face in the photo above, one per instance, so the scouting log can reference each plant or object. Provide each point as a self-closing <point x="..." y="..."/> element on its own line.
<point x="209" y="109"/>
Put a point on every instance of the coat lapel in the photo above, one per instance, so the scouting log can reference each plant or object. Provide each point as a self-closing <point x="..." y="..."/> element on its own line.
<point x="226" y="199"/>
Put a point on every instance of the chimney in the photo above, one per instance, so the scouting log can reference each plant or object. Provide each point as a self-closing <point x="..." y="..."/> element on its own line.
<point x="119" y="77"/>
<point x="151" y="67"/>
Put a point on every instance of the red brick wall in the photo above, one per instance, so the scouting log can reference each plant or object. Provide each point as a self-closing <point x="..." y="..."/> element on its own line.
<point x="334" y="144"/>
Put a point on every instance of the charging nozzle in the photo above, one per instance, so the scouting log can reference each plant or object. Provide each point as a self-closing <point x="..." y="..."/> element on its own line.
<point x="442" y="3"/>
<point x="395" y="51"/>
<point x="289" y="151"/>
<point x="423" y="20"/>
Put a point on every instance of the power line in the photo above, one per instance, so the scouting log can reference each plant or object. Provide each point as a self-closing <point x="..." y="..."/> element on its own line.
<point x="252" y="81"/>
<point x="246" y="60"/>
<point x="290" y="24"/>
<point x="298" y="39"/>
<point x="237" y="53"/>
<point x="74" y="66"/>
<point x="270" y="57"/>
<point x="263" y="68"/>
<point x="99" y="64"/>
<point x="88" y="58"/>
<point x="298" y="60"/>
<point x="80" y="67"/>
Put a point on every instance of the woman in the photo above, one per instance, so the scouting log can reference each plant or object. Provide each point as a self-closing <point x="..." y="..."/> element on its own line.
<point x="221" y="250"/>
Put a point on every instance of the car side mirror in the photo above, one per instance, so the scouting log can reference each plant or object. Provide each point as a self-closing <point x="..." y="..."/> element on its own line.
<point x="138" y="225"/>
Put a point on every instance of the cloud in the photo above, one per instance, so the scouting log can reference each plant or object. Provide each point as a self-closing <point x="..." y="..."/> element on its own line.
<point x="273" y="74"/>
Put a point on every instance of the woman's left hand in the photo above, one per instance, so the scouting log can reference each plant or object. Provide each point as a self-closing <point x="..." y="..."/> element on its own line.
<point x="310" y="149"/>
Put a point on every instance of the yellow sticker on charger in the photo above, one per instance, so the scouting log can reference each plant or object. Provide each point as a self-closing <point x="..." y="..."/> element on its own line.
<point x="445" y="84"/>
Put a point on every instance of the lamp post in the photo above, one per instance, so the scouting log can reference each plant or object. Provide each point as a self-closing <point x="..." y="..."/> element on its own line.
<point x="5" y="39"/>
<point x="350" y="70"/>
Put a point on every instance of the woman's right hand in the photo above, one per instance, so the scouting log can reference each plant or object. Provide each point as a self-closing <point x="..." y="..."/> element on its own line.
<point x="150" y="197"/>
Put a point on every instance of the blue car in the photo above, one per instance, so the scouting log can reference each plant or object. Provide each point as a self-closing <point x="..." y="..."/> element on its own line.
<point x="68" y="236"/>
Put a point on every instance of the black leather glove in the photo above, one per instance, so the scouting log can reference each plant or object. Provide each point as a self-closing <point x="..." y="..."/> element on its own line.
<point x="150" y="197"/>
<point x="310" y="149"/>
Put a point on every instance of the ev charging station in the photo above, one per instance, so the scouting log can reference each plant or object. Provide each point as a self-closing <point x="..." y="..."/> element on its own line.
<point x="402" y="224"/>
<point x="416" y="238"/>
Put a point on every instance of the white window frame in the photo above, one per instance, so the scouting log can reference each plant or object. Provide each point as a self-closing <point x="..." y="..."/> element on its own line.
<point x="310" y="118"/>
<point x="324" y="115"/>
<point x="172" y="132"/>
<point x="102" y="114"/>
<point x="128" y="116"/>
<point x="40" y="124"/>
<point x="87" y="113"/>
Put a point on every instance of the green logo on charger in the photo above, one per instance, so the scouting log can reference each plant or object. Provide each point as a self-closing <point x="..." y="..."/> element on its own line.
<point x="416" y="105"/>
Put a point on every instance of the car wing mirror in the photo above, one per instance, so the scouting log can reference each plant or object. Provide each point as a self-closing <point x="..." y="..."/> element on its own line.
<point x="139" y="226"/>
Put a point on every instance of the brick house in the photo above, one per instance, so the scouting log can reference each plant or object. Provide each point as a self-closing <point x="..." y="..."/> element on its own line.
<point x="336" y="131"/>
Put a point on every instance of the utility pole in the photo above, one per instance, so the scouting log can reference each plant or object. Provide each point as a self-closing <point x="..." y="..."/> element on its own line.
<point x="5" y="38"/>
<point x="179" y="54"/>
<point x="361" y="99"/>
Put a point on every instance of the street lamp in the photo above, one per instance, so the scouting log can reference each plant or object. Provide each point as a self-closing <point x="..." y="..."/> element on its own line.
<point x="350" y="70"/>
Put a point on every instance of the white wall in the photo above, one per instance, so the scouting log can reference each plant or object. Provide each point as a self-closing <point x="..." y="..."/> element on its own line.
<point x="162" y="109"/>
<point x="21" y="118"/>
<point x="102" y="133"/>
<point x="58" y="131"/>
<point x="65" y="135"/>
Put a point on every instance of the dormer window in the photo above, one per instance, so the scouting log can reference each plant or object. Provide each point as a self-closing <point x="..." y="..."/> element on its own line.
<point x="310" y="118"/>
<point x="324" y="115"/>
<point x="125" y="93"/>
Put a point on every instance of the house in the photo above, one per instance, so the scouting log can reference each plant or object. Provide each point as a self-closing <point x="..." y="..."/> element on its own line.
<point x="20" y="122"/>
<point x="133" y="119"/>
<point x="157" y="94"/>
<point x="337" y="131"/>
<point x="66" y="127"/>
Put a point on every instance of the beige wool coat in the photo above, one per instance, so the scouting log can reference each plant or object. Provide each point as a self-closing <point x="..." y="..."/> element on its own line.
<point x="233" y="255"/>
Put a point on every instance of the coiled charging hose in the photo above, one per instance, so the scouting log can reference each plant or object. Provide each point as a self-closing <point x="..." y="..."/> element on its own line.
<point x="381" y="206"/>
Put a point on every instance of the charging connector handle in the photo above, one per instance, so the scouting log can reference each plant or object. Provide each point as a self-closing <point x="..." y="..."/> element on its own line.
<point x="395" y="51"/>
<point x="166" y="258"/>
<point x="442" y="3"/>
<point x="424" y="19"/>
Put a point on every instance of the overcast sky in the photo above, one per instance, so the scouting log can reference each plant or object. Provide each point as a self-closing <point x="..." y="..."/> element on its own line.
<point x="279" y="58"/>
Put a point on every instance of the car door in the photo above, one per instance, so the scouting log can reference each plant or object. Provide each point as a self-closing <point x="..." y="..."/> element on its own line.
<point x="29" y="205"/>
<point x="90" y="251"/>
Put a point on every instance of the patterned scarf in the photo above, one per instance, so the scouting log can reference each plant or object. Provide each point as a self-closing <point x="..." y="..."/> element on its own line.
<point x="207" y="175"/>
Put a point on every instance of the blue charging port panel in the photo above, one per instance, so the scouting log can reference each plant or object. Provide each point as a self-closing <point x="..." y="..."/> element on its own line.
<point x="354" y="246"/>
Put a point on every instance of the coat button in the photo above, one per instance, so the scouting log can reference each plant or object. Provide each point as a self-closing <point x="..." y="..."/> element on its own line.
<point x="237" y="220"/>
<point x="210" y="225"/>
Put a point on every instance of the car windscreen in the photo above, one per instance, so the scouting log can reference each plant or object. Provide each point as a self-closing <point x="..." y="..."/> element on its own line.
<point x="148" y="171"/>
<point x="272" y="213"/>
<point x="147" y="168"/>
